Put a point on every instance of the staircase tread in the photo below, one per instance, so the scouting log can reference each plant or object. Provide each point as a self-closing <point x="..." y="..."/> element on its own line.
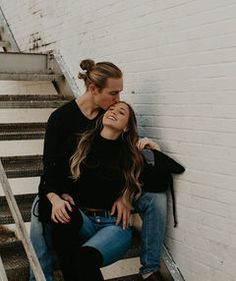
<point x="24" y="203"/>
<point x="32" y="97"/>
<point x="30" y="76"/>
<point x="22" y="166"/>
<point x="32" y="101"/>
<point x="22" y="131"/>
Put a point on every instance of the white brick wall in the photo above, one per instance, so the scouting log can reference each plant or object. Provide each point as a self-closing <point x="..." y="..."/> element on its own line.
<point x="179" y="62"/>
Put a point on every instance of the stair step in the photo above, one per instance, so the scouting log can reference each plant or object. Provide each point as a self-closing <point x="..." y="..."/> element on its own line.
<point x="22" y="166"/>
<point x="133" y="277"/>
<point x="23" y="185"/>
<point x="17" y="266"/>
<point x="4" y="44"/>
<point x="23" y="115"/>
<point x="22" y="131"/>
<point x="24" y="203"/>
<point x="30" y="77"/>
<point x="32" y="101"/>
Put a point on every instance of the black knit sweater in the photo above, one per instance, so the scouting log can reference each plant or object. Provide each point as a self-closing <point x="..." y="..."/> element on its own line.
<point x="63" y="127"/>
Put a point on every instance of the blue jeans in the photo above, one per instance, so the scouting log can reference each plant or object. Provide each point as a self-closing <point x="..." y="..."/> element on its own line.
<point x="102" y="234"/>
<point x="152" y="208"/>
<point x="41" y="238"/>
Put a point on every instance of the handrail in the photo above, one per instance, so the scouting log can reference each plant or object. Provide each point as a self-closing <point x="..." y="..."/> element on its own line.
<point x="8" y="34"/>
<point x="3" y="276"/>
<point x="20" y="226"/>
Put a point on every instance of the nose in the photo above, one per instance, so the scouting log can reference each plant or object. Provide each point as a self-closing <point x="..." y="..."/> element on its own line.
<point x="117" y="98"/>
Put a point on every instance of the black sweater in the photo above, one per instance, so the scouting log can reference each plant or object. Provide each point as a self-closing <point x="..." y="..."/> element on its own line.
<point x="63" y="127"/>
<point x="102" y="180"/>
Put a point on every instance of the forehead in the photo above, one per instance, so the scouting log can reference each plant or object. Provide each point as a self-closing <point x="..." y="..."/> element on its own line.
<point x="122" y="106"/>
<point x="115" y="84"/>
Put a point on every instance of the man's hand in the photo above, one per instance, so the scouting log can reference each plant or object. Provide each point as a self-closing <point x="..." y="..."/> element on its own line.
<point x="148" y="144"/>
<point x="123" y="212"/>
<point x="68" y="198"/>
<point x="59" y="208"/>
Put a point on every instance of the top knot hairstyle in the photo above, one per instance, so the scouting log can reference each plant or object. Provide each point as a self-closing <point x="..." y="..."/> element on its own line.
<point x="98" y="73"/>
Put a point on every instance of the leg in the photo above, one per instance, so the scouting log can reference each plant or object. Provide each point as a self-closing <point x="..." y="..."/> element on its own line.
<point x="108" y="245"/>
<point x="67" y="243"/>
<point x="110" y="240"/>
<point x="152" y="208"/>
<point x="40" y="236"/>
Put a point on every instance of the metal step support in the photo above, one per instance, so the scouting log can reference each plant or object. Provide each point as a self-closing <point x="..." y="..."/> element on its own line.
<point x="4" y="44"/>
<point x="6" y="35"/>
<point x="3" y="276"/>
<point x="21" y="229"/>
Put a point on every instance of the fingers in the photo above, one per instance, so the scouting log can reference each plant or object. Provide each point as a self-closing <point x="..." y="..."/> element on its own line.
<point x="59" y="213"/>
<point x="113" y="208"/>
<point x="118" y="217"/>
<point x="142" y="143"/>
<point x="68" y="198"/>
<point x="147" y="143"/>
<point x="124" y="219"/>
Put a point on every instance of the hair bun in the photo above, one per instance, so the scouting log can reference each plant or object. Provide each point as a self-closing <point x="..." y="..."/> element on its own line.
<point x="87" y="64"/>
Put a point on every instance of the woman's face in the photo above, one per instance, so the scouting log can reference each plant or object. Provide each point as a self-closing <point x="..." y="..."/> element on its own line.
<point x="117" y="117"/>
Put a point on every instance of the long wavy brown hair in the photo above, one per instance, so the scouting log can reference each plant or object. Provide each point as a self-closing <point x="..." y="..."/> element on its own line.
<point x="132" y="163"/>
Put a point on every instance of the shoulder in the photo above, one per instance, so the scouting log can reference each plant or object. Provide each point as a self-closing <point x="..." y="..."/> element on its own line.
<point x="64" y="112"/>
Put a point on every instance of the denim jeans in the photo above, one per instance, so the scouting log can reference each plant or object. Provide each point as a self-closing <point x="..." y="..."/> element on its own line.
<point x="152" y="208"/>
<point x="41" y="238"/>
<point x="102" y="234"/>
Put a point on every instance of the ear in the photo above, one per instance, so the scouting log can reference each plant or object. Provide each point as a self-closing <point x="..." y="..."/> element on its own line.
<point x="126" y="129"/>
<point x="92" y="88"/>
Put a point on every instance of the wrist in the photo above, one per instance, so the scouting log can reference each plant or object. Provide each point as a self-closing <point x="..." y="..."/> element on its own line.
<point x="52" y="197"/>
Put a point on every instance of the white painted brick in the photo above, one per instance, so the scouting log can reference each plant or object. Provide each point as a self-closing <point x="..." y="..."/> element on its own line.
<point x="179" y="61"/>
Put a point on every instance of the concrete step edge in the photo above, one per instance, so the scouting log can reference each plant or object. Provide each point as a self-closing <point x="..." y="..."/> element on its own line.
<point x="23" y="166"/>
<point x="30" y="77"/>
<point x="22" y="131"/>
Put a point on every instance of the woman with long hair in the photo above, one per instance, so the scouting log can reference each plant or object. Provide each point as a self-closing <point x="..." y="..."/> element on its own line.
<point x="106" y="165"/>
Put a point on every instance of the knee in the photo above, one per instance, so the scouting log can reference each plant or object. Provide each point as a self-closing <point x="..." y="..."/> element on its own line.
<point x="90" y="255"/>
<point x="154" y="202"/>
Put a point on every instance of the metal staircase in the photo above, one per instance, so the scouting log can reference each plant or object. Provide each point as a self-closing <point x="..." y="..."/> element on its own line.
<point x="22" y="126"/>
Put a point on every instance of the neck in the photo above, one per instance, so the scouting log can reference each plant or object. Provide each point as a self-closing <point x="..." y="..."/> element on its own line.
<point x="87" y="105"/>
<point x="108" y="133"/>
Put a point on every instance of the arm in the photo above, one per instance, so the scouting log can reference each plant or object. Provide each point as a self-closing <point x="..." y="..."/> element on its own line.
<point x="157" y="177"/>
<point x="54" y="178"/>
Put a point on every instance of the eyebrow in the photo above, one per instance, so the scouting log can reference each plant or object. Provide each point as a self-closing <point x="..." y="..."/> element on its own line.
<point x="124" y="109"/>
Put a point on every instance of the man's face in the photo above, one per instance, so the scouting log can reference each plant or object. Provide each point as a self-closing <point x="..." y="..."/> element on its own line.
<point x="110" y="94"/>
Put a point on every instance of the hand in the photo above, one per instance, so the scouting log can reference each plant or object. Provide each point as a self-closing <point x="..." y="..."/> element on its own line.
<point x="68" y="198"/>
<point x="59" y="209"/>
<point x="123" y="212"/>
<point x="148" y="144"/>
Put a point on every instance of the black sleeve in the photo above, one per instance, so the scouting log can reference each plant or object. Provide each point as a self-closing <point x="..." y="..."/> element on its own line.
<point x="157" y="177"/>
<point x="55" y="166"/>
<point x="167" y="163"/>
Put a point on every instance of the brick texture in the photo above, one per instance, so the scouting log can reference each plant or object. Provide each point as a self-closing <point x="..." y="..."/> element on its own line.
<point x="179" y="64"/>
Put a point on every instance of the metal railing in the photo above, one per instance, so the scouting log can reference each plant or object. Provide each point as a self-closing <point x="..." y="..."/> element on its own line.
<point x="20" y="227"/>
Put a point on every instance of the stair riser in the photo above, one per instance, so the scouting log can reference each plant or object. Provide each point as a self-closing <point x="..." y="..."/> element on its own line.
<point x="21" y="147"/>
<point x="23" y="185"/>
<point x="24" y="115"/>
<point x="27" y="88"/>
<point x="31" y="104"/>
<point x="121" y="268"/>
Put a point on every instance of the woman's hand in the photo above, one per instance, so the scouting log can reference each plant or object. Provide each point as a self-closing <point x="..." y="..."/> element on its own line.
<point x="123" y="212"/>
<point x="148" y="144"/>
<point x="59" y="208"/>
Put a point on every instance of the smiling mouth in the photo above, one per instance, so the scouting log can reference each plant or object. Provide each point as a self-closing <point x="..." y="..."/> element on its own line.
<point x="111" y="118"/>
